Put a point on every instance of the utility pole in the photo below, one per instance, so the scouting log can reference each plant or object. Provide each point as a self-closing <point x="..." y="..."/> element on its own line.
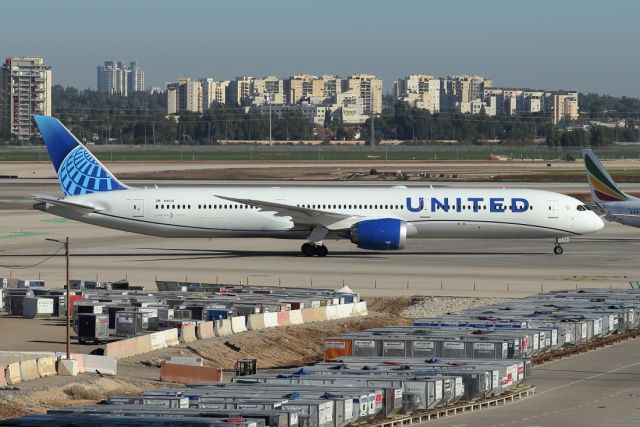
<point x="372" y="141"/>
<point x="269" y="101"/>
<point x="153" y="133"/>
<point x="65" y="243"/>
<point x="66" y="257"/>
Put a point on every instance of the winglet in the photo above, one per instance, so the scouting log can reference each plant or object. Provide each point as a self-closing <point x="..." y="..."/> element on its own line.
<point x="79" y="172"/>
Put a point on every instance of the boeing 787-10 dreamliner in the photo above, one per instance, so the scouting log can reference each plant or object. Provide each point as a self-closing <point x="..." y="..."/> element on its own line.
<point x="371" y="217"/>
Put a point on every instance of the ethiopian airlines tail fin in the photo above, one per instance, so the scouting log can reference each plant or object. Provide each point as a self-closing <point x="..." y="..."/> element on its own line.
<point x="603" y="187"/>
<point x="79" y="172"/>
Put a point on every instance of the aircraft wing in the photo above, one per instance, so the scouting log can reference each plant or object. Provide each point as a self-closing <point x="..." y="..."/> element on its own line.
<point x="303" y="216"/>
<point x="79" y="207"/>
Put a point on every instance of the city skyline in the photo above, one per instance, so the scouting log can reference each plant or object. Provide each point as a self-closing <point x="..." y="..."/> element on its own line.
<point x="572" y="44"/>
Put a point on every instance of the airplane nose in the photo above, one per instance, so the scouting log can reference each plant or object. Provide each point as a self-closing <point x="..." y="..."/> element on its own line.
<point x="597" y="223"/>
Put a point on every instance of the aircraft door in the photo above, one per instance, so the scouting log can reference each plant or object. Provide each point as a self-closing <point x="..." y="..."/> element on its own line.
<point x="137" y="208"/>
<point x="552" y="209"/>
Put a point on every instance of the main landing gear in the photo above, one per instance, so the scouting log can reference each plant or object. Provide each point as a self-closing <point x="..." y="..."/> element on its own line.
<point x="557" y="249"/>
<point x="311" y="249"/>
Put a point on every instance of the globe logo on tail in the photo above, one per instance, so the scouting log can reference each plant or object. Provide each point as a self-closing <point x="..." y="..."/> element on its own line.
<point x="80" y="174"/>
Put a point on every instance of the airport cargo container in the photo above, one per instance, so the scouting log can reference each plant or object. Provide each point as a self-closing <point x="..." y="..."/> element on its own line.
<point x="31" y="283"/>
<point x="33" y="307"/>
<point x="271" y="418"/>
<point x="81" y="420"/>
<point x="91" y="327"/>
<point x="129" y="323"/>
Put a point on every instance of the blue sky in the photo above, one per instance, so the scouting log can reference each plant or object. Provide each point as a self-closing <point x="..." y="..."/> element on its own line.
<point x="563" y="44"/>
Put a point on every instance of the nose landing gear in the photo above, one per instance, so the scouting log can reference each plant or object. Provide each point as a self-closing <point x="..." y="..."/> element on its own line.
<point x="310" y="249"/>
<point x="557" y="249"/>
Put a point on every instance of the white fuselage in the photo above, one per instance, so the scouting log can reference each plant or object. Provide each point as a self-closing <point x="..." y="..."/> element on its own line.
<point x="626" y="212"/>
<point x="428" y="212"/>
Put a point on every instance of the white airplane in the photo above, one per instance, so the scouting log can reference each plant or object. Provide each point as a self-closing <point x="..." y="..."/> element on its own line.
<point x="371" y="217"/>
<point x="617" y="205"/>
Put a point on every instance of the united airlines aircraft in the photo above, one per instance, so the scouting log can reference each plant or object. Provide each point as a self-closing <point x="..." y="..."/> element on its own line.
<point x="372" y="218"/>
<point x="617" y="205"/>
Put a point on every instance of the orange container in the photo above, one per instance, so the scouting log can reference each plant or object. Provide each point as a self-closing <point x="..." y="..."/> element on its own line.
<point x="336" y="347"/>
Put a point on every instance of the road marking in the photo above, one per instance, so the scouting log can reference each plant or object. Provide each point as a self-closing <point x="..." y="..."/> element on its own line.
<point x="560" y="387"/>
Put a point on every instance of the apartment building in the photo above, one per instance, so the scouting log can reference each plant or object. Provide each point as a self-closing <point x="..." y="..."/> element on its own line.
<point x="368" y="88"/>
<point x="240" y="90"/>
<point x="268" y="90"/>
<point x="185" y="95"/>
<point x="458" y="90"/>
<point x="419" y="91"/>
<point x="25" y="89"/>
<point x="118" y="78"/>
<point x="565" y="106"/>
<point x="214" y="92"/>
<point x="135" y="78"/>
<point x="300" y="87"/>
<point x="520" y="101"/>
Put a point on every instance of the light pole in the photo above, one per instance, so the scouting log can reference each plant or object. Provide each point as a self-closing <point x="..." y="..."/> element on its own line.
<point x="65" y="243"/>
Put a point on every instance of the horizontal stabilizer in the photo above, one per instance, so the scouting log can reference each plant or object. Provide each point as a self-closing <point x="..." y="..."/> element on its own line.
<point x="80" y="207"/>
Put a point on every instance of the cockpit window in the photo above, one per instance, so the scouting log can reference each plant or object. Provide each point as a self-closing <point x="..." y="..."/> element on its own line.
<point x="582" y="208"/>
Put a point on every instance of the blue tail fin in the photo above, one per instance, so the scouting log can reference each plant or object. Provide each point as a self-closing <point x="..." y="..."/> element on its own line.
<point x="79" y="172"/>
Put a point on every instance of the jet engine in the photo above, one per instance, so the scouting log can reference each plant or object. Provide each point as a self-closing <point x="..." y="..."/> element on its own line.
<point x="380" y="234"/>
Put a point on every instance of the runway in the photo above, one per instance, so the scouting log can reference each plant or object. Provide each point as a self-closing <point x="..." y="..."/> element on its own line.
<point x="426" y="266"/>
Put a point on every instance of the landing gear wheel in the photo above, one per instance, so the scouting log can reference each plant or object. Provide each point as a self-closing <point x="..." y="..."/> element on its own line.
<point x="558" y="250"/>
<point x="308" y="249"/>
<point x="322" y="250"/>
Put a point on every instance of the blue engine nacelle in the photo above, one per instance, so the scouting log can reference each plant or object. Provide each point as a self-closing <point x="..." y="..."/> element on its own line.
<point x="380" y="234"/>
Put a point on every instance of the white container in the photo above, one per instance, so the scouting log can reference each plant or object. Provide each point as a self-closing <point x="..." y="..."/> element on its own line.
<point x="33" y="307"/>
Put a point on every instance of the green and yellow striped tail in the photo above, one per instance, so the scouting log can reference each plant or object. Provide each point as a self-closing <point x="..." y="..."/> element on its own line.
<point x="603" y="187"/>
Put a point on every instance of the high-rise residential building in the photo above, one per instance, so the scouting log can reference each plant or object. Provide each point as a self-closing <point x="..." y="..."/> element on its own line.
<point x="456" y="90"/>
<point x="332" y="86"/>
<point x="118" y="78"/>
<point x="240" y="90"/>
<point x="185" y="95"/>
<point x="25" y="89"/>
<point x="135" y="80"/>
<point x="369" y="88"/>
<point x="420" y="91"/>
<point x="213" y="92"/>
<point x="112" y="78"/>
<point x="303" y="86"/>
<point x="565" y="106"/>
<point x="269" y="89"/>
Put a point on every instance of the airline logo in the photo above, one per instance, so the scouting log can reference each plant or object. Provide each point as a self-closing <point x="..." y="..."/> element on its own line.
<point x="459" y="204"/>
<point x="602" y="186"/>
<point x="80" y="174"/>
